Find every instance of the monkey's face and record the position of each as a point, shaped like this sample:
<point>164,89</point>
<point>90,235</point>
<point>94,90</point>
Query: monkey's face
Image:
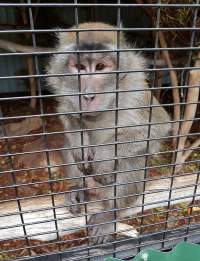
<point>96,82</point>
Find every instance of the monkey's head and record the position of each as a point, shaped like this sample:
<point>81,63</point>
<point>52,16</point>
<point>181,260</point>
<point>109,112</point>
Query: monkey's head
<point>96,65</point>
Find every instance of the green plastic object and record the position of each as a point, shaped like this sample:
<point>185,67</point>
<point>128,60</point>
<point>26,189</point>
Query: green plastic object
<point>182,252</point>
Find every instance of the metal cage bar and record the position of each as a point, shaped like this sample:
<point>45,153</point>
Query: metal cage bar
<point>34,216</point>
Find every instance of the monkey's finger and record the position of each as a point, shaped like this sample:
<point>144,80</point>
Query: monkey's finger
<point>74,199</point>
<point>93,231</point>
<point>75,210</point>
<point>100,240</point>
<point>81,196</point>
<point>93,241</point>
<point>81,167</point>
<point>88,169</point>
<point>99,236</point>
<point>90,154</point>
<point>107,238</point>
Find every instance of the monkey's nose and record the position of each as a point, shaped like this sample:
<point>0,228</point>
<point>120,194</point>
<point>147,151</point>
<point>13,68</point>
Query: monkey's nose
<point>89,97</point>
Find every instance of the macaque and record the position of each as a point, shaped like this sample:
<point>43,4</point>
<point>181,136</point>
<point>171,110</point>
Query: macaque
<point>125,165</point>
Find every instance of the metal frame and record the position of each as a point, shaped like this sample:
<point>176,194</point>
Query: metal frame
<point>123,247</point>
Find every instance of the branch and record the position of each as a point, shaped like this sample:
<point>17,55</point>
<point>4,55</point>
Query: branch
<point>172,73</point>
<point>174,82</point>
<point>190,112</point>
<point>187,153</point>
<point>14,47</point>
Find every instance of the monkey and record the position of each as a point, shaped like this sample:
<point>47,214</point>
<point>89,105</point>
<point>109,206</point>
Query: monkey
<point>108,164</point>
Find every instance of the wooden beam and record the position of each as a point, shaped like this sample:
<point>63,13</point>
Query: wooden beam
<point>15,47</point>
<point>39,217</point>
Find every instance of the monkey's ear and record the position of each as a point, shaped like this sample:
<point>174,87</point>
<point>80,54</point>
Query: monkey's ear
<point>66,39</point>
<point>63,39</point>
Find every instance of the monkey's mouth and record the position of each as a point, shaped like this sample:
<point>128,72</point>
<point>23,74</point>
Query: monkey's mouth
<point>90,115</point>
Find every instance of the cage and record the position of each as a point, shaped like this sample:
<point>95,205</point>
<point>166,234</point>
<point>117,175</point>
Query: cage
<point>84,148</point>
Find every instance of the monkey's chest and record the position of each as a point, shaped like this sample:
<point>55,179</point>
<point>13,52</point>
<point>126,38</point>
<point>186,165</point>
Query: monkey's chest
<point>100,136</point>
<point>102,129</point>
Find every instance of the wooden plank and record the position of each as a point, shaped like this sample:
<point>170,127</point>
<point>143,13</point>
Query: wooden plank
<point>39,217</point>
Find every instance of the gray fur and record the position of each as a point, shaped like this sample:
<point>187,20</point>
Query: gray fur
<point>130,81</point>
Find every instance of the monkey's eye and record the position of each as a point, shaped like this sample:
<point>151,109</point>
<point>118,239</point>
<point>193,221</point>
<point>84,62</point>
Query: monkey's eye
<point>80,66</point>
<point>100,66</point>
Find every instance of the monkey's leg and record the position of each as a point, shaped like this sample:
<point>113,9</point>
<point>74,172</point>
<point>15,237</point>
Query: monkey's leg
<point>102,225</point>
<point>102,228</point>
<point>128,187</point>
<point>104,156</point>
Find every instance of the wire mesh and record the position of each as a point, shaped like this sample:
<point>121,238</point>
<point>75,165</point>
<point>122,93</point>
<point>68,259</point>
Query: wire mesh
<point>41,180</point>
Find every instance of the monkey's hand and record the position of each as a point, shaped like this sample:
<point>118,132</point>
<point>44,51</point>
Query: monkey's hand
<point>84,164</point>
<point>84,155</point>
<point>103,163</point>
<point>73,198</point>
<point>100,232</point>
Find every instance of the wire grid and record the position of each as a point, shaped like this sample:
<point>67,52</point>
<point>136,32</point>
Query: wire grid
<point>163,238</point>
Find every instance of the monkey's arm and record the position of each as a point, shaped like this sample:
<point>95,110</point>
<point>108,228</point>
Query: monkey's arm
<point>104,157</point>
<point>74,169</point>
<point>132,143</point>
<point>76,140</point>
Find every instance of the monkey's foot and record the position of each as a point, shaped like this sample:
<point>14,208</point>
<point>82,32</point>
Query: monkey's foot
<point>105,179</point>
<point>74,198</point>
<point>101,233</point>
